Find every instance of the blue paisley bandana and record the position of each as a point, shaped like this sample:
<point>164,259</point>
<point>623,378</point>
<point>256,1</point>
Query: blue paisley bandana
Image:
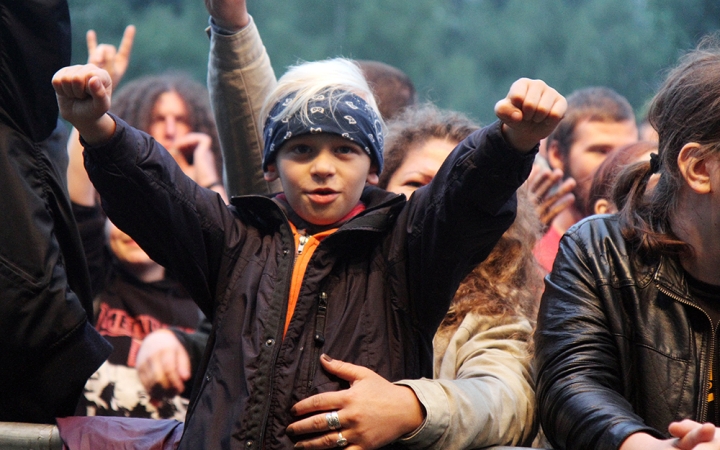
<point>346,115</point>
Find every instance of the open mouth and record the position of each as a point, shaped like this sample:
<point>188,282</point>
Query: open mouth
<point>323,196</point>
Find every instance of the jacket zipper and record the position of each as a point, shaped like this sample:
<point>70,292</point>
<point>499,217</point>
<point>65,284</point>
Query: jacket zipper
<point>711,362</point>
<point>303,239</point>
<point>318,336</point>
<point>276,353</point>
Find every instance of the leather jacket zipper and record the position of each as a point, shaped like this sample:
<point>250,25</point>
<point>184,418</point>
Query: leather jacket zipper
<point>704,392</point>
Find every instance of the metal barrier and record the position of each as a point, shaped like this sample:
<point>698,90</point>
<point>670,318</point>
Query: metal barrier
<point>29,436</point>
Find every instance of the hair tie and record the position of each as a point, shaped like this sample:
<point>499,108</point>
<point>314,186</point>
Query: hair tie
<point>654,163</point>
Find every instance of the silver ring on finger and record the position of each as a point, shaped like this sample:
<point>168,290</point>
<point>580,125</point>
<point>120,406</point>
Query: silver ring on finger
<point>341,441</point>
<point>333,421</point>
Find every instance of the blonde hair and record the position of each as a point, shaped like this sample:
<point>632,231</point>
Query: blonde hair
<point>331,77</point>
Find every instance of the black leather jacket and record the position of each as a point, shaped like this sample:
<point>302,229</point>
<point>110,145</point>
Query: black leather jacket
<point>620,345</point>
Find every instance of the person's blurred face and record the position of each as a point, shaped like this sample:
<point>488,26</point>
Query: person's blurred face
<point>420,165</point>
<point>127,251</point>
<point>170,119</point>
<point>322,175</point>
<point>607,206</point>
<point>593,142</point>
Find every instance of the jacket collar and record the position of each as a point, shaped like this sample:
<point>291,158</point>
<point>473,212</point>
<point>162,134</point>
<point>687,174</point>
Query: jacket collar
<point>382,208</point>
<point>670,276</point>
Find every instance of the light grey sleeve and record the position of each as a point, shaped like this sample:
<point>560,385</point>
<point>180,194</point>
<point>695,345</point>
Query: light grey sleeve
<point>483,394</point>
<point>240,77</point>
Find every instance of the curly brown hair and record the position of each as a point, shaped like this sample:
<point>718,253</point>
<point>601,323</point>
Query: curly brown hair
<point>417,124</point>
<point>135,101</point>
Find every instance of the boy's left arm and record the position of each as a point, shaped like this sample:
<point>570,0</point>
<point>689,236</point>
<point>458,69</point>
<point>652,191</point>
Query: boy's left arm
<point>458,218</point>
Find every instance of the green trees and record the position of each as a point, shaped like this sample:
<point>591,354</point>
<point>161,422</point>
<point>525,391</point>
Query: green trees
<point>461,54</point>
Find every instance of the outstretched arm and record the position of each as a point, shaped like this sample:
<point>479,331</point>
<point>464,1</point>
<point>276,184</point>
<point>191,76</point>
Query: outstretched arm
<point>530,112</point>
<point>115,62</point>
<point>240,78</point>
<point>83,95</point>
<point>458,218</point>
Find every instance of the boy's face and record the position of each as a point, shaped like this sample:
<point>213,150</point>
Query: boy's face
<point>323,176</point>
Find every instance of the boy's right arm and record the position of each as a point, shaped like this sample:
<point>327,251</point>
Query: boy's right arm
<point>115,62</point>
<point>179,224</point>
<point>83,95</point>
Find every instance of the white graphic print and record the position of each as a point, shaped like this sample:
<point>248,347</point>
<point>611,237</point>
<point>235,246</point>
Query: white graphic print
<point>115,390</point>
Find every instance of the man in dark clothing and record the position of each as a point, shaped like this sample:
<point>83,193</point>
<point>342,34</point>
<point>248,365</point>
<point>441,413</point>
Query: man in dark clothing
<point>49,348</point>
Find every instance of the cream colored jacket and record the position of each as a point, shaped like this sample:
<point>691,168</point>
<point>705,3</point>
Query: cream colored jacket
<point>482,393</point>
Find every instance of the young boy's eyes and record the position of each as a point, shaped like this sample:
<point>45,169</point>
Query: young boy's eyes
<point>345,150</point>
<point>307,149</point>
<point>301,149</point>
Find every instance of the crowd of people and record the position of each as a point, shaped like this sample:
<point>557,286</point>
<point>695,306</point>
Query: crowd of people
<point>322,260</point>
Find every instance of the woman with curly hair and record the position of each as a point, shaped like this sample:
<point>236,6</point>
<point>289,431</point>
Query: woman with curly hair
<point>175,110</point>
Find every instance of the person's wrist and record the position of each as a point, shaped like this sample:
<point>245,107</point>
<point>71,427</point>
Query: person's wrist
<point>517,140</point>
<point>645,441</point>
<point>415,412</point>
<point>234,24</point>
<point>97,132</point>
